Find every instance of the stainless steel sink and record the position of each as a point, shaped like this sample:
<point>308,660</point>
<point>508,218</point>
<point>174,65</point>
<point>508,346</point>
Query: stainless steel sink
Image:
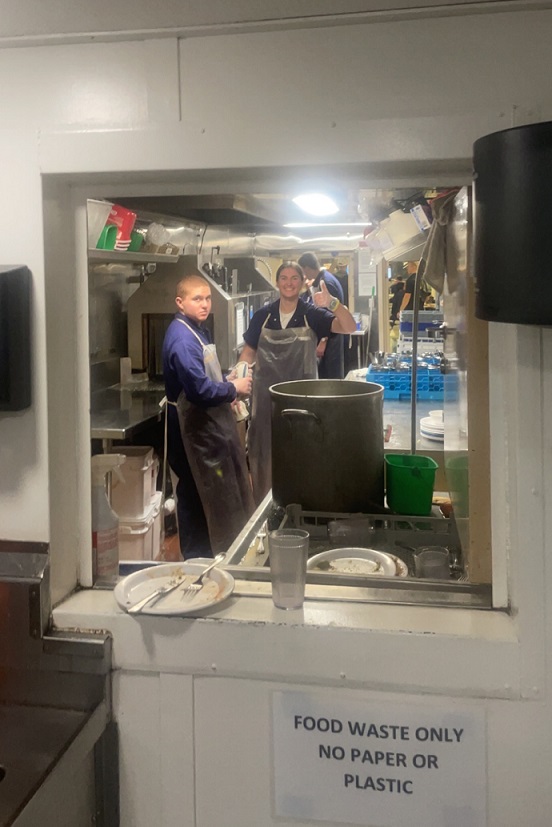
<point>32,741</point>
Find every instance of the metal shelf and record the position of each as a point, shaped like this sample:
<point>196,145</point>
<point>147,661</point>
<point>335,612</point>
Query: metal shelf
<point>139,258</point>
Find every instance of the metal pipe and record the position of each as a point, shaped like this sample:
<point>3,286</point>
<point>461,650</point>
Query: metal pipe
<point>414,373</point>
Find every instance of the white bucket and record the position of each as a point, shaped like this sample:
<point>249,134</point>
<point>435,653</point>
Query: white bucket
<point>141,539</point>
<point>132,499</point>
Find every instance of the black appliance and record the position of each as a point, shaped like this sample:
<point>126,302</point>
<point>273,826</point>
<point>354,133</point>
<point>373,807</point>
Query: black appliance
<point>513,225</point>
<point>15,337</point>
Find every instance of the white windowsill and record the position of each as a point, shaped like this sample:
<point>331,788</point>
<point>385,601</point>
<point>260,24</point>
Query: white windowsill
<point>462,652</point>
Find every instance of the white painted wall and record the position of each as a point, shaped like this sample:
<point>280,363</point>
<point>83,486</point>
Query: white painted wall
<point>373,94</point>
<point>238,103</point>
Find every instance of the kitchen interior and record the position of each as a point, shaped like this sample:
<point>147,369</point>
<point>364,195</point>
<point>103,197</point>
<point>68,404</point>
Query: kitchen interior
<point>237,242</point>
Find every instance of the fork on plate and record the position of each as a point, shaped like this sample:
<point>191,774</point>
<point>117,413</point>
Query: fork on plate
<point>192,588</point>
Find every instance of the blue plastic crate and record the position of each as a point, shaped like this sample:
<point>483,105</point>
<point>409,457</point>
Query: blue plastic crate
<point>430,384</point>
<point>423,327</point>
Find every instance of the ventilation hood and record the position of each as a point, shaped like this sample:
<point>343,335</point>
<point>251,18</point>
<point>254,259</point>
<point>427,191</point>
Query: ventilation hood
<point>248,212</point>
<point>265,222</point>
<point>398,238</point>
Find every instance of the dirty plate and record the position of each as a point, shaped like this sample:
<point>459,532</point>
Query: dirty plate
<point>217,586</point>
<point>366,561</point>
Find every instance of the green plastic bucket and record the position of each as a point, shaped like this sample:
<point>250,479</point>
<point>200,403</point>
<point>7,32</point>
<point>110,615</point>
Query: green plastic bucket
<point>410,482</point>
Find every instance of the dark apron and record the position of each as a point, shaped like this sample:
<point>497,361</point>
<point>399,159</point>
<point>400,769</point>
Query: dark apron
<point>332,363</point>
<point>216,459</point>
<point>282,356</point>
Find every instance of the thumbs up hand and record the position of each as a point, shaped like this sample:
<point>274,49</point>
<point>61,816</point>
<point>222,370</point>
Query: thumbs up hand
<point>323,297</point>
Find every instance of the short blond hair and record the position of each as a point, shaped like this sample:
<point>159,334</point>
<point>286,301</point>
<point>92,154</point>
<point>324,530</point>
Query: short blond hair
<point>186,283</point>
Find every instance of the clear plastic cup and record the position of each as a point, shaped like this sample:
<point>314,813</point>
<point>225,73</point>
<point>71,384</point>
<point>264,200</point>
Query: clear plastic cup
<point>432,562</point>
<point>288,552</point>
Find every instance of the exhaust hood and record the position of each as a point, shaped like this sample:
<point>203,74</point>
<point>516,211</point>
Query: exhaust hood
<point>264,222</point>
<point>399,237</point>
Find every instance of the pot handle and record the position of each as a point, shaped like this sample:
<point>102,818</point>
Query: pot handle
<point>299,412</point>
<point>289,413</point>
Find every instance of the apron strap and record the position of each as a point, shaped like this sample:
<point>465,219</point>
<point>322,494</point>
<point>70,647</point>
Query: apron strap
<point>198,337</point>
<point>264,324</point>
<point>163,405</point>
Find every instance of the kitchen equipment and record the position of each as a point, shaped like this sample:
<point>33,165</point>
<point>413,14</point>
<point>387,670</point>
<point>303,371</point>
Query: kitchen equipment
<point>124,220</point>
<point>196,585</point>
<point>97,213</point>
<point>133,491</point>
<point>15,337</point>
<point>107,238</point>
<point>140,538</point>
<point>433,426</point>
<point>143,583</point>
<point>432,562</point>
<point>327,445</point>
<point>512,239</point>
<point>136,241</point>
<point>288,550</point>
<point>105,522</point>
<point>410,482</point>
<point>364,561</point>
<point>166,588</point>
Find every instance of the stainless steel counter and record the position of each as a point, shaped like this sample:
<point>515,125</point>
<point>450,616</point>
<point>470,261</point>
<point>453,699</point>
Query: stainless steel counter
<point>247,559</point>
<point>397,414</point>
<point>34,740</point>
<point>120,411</point>
<point>54,692</point>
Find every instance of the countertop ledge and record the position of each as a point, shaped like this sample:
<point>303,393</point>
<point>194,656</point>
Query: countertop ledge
<point>93,609</point>
<point>474,653</point>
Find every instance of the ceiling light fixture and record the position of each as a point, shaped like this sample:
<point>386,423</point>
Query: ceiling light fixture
<point>297,225</point>
<point>316,203</point>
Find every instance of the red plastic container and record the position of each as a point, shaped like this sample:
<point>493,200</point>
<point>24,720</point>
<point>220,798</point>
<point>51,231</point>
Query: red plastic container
<point>124,220</point>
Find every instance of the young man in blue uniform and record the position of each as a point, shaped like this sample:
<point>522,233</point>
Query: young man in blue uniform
<point>213,494</point>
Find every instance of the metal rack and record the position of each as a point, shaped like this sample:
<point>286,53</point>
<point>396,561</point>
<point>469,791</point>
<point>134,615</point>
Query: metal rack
<point>247,558</point>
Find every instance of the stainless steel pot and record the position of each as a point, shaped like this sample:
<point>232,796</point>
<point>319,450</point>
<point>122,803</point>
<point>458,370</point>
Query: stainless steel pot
<point>327,445</point>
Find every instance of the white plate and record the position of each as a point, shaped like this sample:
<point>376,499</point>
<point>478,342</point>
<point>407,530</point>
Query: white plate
<point>218,585</point>
<point>432,436</point>
<point>431,424</point>
<point>366,561</point>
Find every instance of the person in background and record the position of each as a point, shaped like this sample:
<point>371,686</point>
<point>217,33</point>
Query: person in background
<point>408,295</point>
<point>281,341</point>
<point>397,291</point>
<point>213,493</point>
<point>330,351</point>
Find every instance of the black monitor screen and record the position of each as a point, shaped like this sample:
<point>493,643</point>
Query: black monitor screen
<point>15,337</point>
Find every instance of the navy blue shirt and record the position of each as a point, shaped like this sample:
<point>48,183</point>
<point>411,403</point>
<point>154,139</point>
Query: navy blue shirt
<point>331,282</point>
<point>319,319</point>
<point>184,368</point>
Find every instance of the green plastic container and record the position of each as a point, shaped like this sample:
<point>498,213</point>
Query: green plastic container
<point>457,469</point>
<point>108,237</point>
<point>410,481</point>
<point>136,241</point>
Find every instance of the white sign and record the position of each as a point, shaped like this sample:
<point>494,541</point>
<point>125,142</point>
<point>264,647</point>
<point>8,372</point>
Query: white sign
<point>367,283</point>
<point>379,764</point>
<point>367,274</point>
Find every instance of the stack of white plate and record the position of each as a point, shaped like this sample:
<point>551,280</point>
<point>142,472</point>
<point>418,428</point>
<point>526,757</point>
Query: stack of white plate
<point>433,426</point>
